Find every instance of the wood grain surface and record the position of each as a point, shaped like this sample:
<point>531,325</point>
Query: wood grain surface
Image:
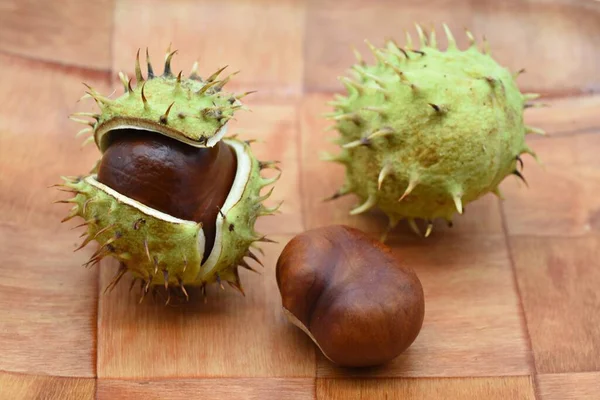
<point>262,39</point>
<point>511,289</point>
<point>571,207</point>
<point>514,388</point>
<point>563,33</point>
<point>37,140</point>
<point>19,386</point>
<point>214,388</point>
<point>274,125</point>
<point>570,386</point>
<point>558,281</point>
<point>71,32</point>
<point>49,304</point>
<point>203,340</point>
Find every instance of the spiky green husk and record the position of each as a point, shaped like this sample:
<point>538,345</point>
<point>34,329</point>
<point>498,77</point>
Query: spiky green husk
<point>159,249</point>
<point>424,132</point>
<point>155,248</point>
<point>192,110</point>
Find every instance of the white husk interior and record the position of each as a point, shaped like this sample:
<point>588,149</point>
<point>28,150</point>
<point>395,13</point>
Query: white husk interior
<point>292,318</point>
<point>218,136</point>
<point>149,128</point>
<point>242,175</point>
<point>131,202</point>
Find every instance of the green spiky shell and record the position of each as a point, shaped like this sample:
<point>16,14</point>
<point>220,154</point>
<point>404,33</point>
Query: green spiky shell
<point>154,247</point>
<point>425,131</point>
<point>191,110</point>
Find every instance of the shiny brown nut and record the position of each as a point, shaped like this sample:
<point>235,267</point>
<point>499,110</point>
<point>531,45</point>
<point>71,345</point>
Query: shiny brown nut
<point>350,295</point>
<point>170,176</point>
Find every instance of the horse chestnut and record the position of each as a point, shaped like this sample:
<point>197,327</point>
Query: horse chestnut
<point>350,295</point>
<point>172,198</point>
<point>184,181</point>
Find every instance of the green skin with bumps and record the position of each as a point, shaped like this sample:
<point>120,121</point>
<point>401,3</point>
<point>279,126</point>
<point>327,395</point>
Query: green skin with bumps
<point>154,247</point>
<point>436,129</point>
<point>191,117</point>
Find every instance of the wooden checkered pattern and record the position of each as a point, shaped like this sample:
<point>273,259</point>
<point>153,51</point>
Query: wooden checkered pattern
<point>512,303</point>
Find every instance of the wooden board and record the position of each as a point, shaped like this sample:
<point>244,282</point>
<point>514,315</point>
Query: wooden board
<point>511,289</point>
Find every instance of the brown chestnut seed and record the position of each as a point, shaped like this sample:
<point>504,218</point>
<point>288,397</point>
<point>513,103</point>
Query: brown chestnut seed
<point>350,295</point>
<point>175,178</point>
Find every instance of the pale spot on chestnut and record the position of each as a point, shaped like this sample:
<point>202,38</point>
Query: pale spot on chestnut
<point>347,291</point>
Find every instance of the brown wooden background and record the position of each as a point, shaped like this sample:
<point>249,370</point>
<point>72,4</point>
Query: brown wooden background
<point>512,291</point>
